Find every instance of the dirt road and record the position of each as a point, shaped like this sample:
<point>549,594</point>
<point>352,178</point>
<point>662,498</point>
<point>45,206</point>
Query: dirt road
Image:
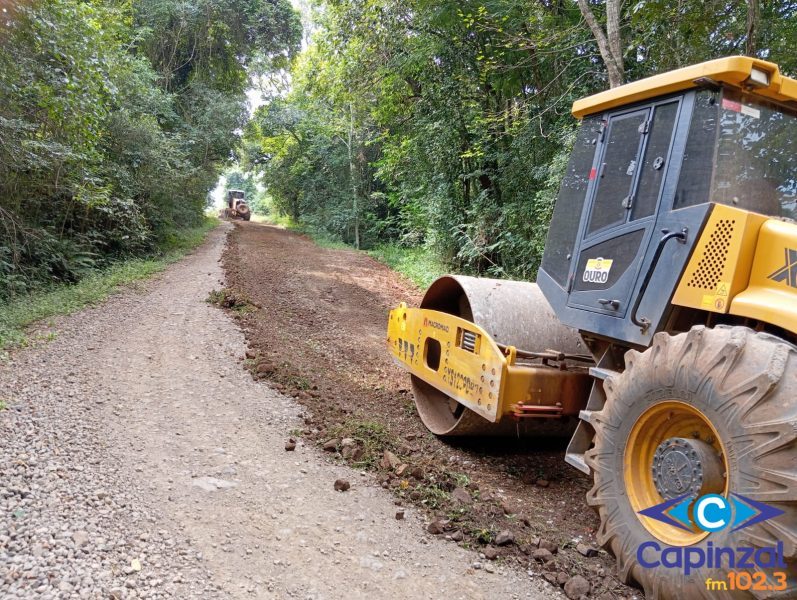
<point>140,460</point>
<point>316,326</point>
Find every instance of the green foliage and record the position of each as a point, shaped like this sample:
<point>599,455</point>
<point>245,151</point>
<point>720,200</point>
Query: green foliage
<point>433,496</point>
<point>228,298</point>
<point>115,121</point>
<point>446,125</point>
<point>261,205</point>
<point>63,299</point>
<point>320,236</point>
<point>419,264</point>
<point>460,479</point>
<point>483,536</point>
<point>372,437</point>
<point>237,180</point>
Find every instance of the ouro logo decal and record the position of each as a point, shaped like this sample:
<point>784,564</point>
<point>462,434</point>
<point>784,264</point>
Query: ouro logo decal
<point>712,513</point>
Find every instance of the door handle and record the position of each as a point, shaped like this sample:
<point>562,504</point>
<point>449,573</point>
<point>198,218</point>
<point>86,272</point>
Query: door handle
<point>681,236</point>
<point>613,304</point>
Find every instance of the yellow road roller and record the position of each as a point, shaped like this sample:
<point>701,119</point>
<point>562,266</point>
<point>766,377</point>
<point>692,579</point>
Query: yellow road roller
<point>661,334</point>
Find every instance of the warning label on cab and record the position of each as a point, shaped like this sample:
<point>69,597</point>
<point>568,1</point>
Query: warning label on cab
<point>718,301</point>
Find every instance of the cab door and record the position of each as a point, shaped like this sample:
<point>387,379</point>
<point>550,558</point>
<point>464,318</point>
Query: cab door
<point>631,158</point>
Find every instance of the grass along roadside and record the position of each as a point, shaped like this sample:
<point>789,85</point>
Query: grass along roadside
<point>17,315</point>
<point>321,238</point>
<point>419,264</point>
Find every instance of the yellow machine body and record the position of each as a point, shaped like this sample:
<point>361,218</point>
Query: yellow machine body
<point>737,71</point>
<point>460,359</point>
<point>744,264</point>
<point>666,300</point>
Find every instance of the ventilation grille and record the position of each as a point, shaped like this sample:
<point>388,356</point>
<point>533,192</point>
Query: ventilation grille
<point>469,341</point>
<point>711,268</point>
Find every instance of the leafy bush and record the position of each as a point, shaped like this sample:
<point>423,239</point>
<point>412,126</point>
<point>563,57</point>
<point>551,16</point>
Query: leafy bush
<point>94,286</point>
<point>446,125</point>
<point>115,121</point>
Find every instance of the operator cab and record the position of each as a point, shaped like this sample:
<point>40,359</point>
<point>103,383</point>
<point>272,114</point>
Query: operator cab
<point>643,178</point>
<point>235,195</point>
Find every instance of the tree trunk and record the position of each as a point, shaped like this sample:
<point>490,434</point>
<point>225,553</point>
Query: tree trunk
<point>609,40</point>
<point>753,17</point>
<point>352,178</point>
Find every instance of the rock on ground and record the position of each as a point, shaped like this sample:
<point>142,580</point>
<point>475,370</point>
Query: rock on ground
<point>576,587</point>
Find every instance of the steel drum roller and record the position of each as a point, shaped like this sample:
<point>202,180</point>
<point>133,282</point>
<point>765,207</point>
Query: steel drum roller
<point>514,313</point>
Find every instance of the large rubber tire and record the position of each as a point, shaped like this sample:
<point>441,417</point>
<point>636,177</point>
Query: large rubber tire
<point>745,383</point>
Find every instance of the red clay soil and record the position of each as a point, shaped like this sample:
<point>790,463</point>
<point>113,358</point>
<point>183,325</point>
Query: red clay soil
<point>315,321</point>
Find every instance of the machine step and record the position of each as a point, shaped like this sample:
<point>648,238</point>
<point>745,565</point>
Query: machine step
<point>602,373</point>
<point>536,411</point>
<point>577,461</point>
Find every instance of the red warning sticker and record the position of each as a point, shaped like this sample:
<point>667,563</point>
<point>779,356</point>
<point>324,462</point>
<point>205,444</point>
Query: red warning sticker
<point>593,173</point>
<point>741,108</point>
<point>731,105</point>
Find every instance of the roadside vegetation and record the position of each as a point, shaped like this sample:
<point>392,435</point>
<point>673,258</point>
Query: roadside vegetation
<point>320,235</point>
<point>444,128</point>
<point>419,264</point>
<point>16,315</point>
<point>116,119</point>
<point>432,134</point>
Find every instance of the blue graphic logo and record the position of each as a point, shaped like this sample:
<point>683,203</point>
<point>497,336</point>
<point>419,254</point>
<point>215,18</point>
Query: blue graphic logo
<point>711,512</point>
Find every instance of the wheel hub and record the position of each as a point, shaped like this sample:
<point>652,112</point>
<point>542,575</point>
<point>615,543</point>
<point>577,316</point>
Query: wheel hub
<point>683,466</point>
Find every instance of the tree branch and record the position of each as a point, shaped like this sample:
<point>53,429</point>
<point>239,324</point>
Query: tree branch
<point>609,41</point>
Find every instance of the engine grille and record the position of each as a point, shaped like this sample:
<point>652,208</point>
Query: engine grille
<point>711,268</point>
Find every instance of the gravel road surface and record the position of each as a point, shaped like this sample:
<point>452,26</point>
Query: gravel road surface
<point>139,460</point>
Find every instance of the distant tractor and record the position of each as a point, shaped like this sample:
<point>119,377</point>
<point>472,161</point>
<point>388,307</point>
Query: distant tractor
<point>661,332</point>
<point>236,208</point>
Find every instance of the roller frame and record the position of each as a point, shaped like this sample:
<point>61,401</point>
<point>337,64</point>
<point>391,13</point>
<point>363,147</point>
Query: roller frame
<point>497,389</point>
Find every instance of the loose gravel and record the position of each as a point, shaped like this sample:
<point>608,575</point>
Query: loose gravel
<point>139,460</point>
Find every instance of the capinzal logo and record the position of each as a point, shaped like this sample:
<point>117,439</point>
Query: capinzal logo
<point>710,513</point>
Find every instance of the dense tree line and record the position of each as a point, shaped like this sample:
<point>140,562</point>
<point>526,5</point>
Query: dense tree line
<point>446,123</point>
<point>116,117</point>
